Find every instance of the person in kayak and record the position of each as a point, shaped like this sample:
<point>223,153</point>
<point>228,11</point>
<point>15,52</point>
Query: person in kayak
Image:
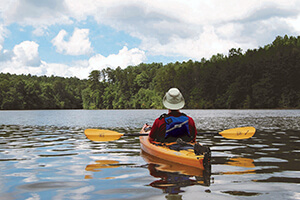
<point>175,129</point>
<point>169,127</point>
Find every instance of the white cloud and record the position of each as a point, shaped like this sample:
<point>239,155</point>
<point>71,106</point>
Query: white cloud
<point>24,59</point>
<point>82,68</point>
<point>176,27</point>
<point>294,22</point>
<point>26,53</point>
<point>3,34</point>
<point>123,59</point>
<point>205,45</point>
<point>78,43</point>
<point>35,13</point>
<point>40,31</point>
<point>191,29</point>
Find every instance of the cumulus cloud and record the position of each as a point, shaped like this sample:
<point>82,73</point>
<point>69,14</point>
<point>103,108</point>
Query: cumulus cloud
<point>78,43</point>
<point>24,59</point>
<point>159,25</point>
<point>191,29</point>
<point>123,59</point>
<point>204,45</point>
<point>168,28</point>
<point>294,22</point>
<point>36,13</point>
<point>26,53</point>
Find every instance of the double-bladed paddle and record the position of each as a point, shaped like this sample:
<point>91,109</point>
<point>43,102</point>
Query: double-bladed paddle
<point>101,135</point>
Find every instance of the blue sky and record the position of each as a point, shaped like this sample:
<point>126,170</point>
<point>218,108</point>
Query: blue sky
<point>73,37</point>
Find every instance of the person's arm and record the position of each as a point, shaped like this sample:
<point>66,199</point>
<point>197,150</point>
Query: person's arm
<point>193,130</point>
<point>153,131</point>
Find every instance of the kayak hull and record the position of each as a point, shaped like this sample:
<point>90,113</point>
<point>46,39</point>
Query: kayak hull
<point>184,157</point>
<point>172,167</point>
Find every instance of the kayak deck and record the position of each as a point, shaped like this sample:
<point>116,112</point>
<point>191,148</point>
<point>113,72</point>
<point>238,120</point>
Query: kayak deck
<point>185,157</point>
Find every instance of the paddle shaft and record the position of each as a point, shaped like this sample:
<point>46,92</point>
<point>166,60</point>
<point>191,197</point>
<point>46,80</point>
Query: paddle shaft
<point>235,133</point>
<point>136,134</point>
<point>208,133</point>
<point>203,133</point>
<point>146,134</point>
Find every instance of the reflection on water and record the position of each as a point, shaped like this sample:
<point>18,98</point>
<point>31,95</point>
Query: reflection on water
<point>173,176</point>
<point>170,177</point>
<point>45,155</point>
<point>241,162</point>
<point>171,183</point>
<point>101,164</point>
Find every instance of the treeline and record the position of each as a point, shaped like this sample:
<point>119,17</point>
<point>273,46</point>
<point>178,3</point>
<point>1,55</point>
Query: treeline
<point>267,77</point>
<point>32,92</point>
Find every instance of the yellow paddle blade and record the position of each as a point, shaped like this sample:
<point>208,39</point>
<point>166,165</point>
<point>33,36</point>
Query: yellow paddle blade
<point>238,133</point>
<point>99,135</point>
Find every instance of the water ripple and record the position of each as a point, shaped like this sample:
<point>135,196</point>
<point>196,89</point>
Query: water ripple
<point>54,159</point>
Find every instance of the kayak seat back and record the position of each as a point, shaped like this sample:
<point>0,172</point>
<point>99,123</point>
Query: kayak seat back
<point>178,147</point>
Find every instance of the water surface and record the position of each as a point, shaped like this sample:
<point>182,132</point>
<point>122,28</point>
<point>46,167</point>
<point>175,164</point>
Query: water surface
<point>45,155</point>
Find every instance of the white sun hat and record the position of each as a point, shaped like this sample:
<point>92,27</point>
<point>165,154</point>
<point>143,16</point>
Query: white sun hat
<point>173,99</point>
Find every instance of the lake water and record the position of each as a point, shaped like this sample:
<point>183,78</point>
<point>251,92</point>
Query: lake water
<point>45,155</point>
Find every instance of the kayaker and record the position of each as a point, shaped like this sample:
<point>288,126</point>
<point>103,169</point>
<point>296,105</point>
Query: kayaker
<point>169,127</point>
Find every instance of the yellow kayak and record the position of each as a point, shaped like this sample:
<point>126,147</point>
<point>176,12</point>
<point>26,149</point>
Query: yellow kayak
<point>184,157</point>
<point>171,167</point>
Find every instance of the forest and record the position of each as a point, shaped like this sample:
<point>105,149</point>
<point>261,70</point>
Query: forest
<point>263,78</point>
